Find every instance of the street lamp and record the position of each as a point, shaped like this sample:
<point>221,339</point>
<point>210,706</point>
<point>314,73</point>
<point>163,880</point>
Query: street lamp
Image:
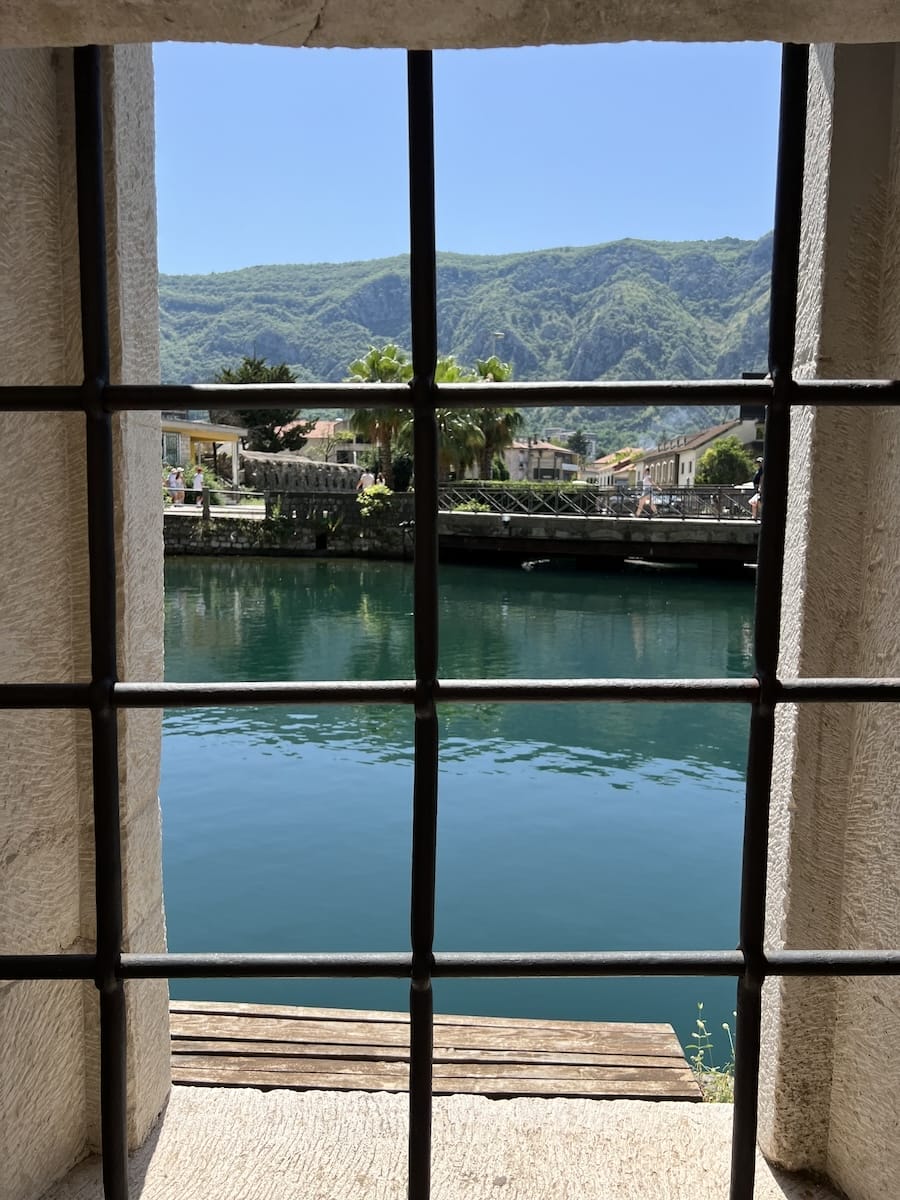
<point>498,333</point>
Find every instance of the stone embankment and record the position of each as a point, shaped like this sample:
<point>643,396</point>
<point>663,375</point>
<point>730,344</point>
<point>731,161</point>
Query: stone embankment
<point>333,524</point>
<point>313,523</point>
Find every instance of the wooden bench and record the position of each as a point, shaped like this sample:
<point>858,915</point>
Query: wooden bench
<point>274,1046</point>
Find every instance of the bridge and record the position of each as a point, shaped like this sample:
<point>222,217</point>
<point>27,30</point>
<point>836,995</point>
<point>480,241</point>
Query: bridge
<point>711,524</point>
<point>691,525</point>
<point>663,539</point>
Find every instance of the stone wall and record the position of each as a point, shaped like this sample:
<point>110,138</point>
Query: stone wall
<point>306,523</point>
<point>828,1097</point>
<point>294,473</point>
<point>449,26</point>
<point>48,1030</point>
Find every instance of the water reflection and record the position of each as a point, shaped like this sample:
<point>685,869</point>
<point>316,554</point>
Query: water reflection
<point>309,620</point>
<point>561,826</point>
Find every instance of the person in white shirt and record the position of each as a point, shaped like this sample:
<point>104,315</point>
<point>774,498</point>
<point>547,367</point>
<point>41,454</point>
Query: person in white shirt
<point>646,494</point>
<point>198,485</point>
<point>366,480</point>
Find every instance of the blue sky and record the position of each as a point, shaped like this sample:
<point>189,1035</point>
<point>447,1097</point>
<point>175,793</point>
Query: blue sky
<point>269,155</point>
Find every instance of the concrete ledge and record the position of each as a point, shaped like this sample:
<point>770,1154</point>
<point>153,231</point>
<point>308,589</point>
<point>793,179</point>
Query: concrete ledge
<point>224,1143</point>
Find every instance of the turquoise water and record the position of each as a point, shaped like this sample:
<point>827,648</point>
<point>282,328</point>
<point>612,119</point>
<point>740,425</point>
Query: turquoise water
<point>577,827</point>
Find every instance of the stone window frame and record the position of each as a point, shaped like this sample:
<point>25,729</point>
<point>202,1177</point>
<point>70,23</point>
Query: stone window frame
<point>104,695</point>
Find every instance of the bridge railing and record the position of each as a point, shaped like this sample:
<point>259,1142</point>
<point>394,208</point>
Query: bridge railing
<point>717,503</point>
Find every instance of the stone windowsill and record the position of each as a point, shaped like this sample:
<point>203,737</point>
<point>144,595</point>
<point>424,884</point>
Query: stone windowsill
<point>230,1143</point>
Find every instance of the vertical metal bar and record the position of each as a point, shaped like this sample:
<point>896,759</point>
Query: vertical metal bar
<point>101,554</point>
<point>423,288</point>
<point>767,615</point>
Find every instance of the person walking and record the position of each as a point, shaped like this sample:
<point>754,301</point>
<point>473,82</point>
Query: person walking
<point>366,480</point>
<point>179,487</point>
<point>646,494</point>
<point>197,484</point>
<point>172,484</point>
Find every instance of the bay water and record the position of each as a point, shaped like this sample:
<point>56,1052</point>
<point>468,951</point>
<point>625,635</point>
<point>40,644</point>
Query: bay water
<point>561,827</point>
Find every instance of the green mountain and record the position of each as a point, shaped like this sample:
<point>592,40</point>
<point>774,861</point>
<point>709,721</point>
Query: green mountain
<point>624,310</point>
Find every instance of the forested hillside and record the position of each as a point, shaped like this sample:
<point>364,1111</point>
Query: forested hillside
<point>625,310</point>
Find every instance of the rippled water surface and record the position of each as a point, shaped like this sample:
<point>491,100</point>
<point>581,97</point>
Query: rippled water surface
<point>572,827</point>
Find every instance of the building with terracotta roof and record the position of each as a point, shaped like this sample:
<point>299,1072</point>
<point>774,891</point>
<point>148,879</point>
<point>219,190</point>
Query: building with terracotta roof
<point>334,441</point>
<point>674,462</point>
<point>617,467</point>
<point>537,460</point>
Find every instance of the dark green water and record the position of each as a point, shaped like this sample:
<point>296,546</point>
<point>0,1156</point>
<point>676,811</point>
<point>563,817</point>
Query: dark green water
<point>579,827</point>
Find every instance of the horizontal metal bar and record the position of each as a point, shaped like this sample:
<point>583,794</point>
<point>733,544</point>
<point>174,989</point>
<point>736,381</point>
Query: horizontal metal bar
<point>858,392</point>
<point>508,691</point>
<point>48,966</point>
<point>225,695</point>
<point>832,962</point>
<point>452,691</point>
<point>587,964</point>
<point>266,966</point>
<point>650,963</point>
<point>571,691</point>
<point>839,691</point>
<point>36,398</point>
<point>462,965</point>
<point>131,397</point>
<point>45,695</point>
<point>530,691</point>
<point>153,398</point>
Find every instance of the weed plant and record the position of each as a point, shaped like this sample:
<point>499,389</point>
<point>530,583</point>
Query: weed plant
<point>716,1082</point>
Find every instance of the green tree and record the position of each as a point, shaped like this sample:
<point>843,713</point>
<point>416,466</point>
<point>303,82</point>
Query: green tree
<point>498,425</point>
<point>725,462</point>
<point>492,370</point>
<point>460,441</point>
<point>578,443</point>
<point>268,429</point>
<point>388,364</point>
<point>448,370</point>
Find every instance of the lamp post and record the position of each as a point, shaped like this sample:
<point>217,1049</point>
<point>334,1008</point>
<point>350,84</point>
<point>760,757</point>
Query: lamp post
<point>498,333</point>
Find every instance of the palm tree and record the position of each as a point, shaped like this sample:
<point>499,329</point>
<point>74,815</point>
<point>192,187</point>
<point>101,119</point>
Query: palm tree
<point>381,425</point>
<point>387,365</point>
<point>492,370</point>
<point>460,440</point>
<point>448,370</point>
<point>498,425</point>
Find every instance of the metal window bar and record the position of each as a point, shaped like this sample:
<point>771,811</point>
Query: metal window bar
<point>103,696</point>
<point>102,559</point>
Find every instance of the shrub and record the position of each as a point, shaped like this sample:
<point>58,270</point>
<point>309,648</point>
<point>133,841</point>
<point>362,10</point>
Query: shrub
<point>374,500</point>
<point>472,506</point>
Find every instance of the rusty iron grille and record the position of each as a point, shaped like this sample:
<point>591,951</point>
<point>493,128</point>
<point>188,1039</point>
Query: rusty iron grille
<point>104,694</point>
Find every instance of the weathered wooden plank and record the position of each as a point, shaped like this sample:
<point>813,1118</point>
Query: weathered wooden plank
<point>511,1072</point>
<point>360,1051</point>
<point>354,1015</point>
<point>270,1046</point>
<point>378,1080</point>
<point>397,1034</point>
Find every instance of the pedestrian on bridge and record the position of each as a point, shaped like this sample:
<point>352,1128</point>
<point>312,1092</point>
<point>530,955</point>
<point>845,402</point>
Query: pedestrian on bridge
<point>646,494</point>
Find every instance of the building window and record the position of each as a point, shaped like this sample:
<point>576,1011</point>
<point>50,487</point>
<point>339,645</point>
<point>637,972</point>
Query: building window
<point>103,696</point>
